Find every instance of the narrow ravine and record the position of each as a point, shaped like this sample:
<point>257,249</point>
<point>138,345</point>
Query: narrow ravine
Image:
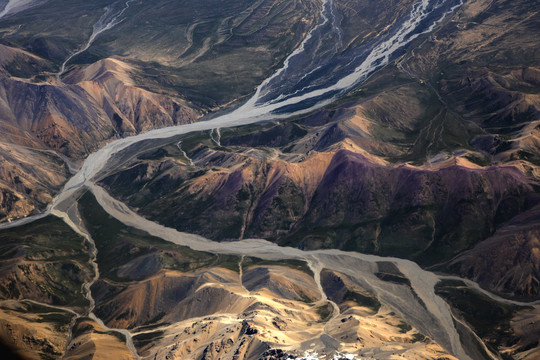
<point>316,267</point>
<point>217,138</point>
<point>241,272</point>
<point>72,218</point>
<point>179,146</point>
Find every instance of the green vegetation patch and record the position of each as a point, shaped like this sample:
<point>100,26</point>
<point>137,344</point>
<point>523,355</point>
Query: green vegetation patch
<point>389,272</point>
<point>489,318</point>
<point>325,311</point>
<point>44,261</point>
<point>404,327</point>
<point>290,263</point>
<point>363,299</point>
<point>142,340</point>
<point>48,239</point>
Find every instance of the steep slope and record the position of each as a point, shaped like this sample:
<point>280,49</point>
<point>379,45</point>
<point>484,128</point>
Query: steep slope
<point>43,267</point>
<point>34,331</point>
<point>433,158</point>
<point>77,117</point>
<point>500,325</point>
<point>439,213</point>
<point>507,262</point>
<point>90,340</point>
<point>483,67</point>
<point>45,262</point>
<point>213,52</point>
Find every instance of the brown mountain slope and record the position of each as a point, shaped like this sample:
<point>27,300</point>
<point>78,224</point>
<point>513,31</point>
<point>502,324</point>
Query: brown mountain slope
<point>94,105</point>
<point>130,109</point>
<point>180,303</point>
<point>34,331</point>
<point>46,262</point>
<point>176,50</point>
<point>483,66</point>
<point>90,340</point>
<point>72,120</point>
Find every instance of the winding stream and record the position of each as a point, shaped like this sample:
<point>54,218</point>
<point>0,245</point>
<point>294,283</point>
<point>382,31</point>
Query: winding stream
<point>15,6</point>
<point>106,22</point>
